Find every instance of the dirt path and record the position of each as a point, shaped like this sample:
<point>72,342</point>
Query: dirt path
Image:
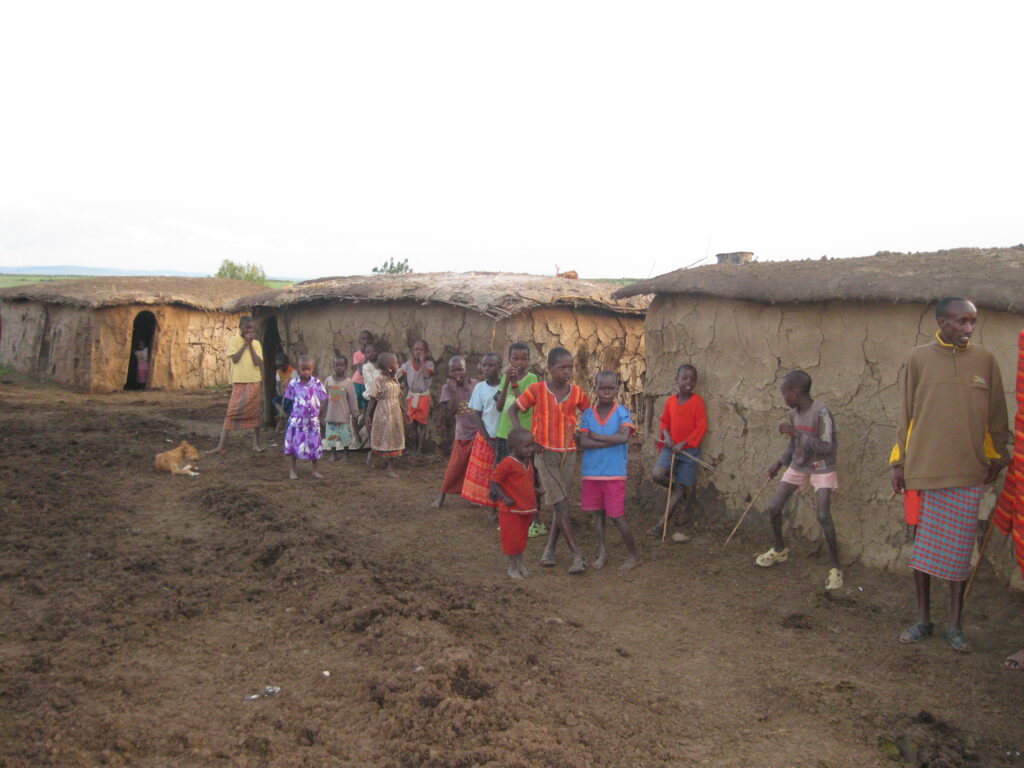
<point>140,610</point>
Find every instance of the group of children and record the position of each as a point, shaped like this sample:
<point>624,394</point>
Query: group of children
<point>364,407</point>
<point>518,438</point>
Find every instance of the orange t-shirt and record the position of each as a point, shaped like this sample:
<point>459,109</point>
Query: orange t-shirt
<point>686,423</point>
<point>554,422</point>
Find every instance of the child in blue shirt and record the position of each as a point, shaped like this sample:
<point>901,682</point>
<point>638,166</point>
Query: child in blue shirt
<point>604,438</point>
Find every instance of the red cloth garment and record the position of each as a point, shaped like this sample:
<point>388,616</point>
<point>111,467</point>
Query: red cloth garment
<point>477,485</point>
<point>1008,516</point>
<point>517,481</point>
<point>686,423</point>
<point>455,474</point>
<point>912,506</point>
<point>515,530</point>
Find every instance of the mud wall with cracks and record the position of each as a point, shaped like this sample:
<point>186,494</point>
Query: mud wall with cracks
<point>598,339</point>
<point>189,349</point>
<point>853,351</point>
<point>48,340</point>
<point>89,349</point>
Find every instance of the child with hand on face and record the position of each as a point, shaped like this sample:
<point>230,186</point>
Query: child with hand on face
<point>384,412</point>
<point>455,396</point>
<point>684,422</point>
<point>516,486</point>
<point>342,416</point>
<point>418,372</point>
<point>283,374</point>
<point>358,358</point>
<point>302,438</point>
<point>604,437</point>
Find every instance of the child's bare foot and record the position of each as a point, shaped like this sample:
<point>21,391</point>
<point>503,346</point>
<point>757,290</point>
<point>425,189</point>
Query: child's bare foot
<point>514,573</point>
<point>332,456</point>
<point>492,516</point>
<point>548,558</point>
<point>215,450</point>
<point>602,558</point>
<point>579,565</point>
<point>293,475</point>
<point>655,530</point>
<point>630,564</point>
<point>392,473</point>
<point>523,570</point>
<point>258,448</point>
<point>436,503</point>
<point>318,476</point>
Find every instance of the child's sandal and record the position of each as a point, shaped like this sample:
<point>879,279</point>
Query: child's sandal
<point>958,641</point>
<point>917,633</point>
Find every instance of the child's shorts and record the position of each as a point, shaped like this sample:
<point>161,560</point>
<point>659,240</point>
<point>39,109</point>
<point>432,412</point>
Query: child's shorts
<point>285,402</point>
<point>800,479</point>
<point>556,470</point>
<point>417,409</point>
<point>686,470</point>
<point>501,450</point>
<point>337,436</point>
<point>608,496</point>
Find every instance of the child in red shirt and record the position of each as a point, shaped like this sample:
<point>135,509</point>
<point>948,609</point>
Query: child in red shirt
<point>516,486</point>
<point>684,422</point>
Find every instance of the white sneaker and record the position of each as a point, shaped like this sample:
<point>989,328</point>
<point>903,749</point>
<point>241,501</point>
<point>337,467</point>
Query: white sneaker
<point>835,579</point>
<point>771,557</point>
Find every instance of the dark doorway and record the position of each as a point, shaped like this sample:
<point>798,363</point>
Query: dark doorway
<point>271,346</point>
<point>140,357</point>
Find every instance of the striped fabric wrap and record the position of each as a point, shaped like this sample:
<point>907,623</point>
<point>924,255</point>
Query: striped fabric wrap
<point>477,485</point>
<point>1009,513</point>
<point>946,531</point>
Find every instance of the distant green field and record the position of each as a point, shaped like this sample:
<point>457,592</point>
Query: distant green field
<point>8,280</point>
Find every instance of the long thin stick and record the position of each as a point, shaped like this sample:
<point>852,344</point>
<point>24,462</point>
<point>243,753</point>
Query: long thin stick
<point>740,521</point>
<point>709,467</point>
<point>981,558</point>
<point>668,497</point>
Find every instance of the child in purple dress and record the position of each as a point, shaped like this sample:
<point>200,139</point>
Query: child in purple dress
<point>302,438</point>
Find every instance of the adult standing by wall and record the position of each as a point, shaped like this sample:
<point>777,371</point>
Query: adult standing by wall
<point>1009,513</point>
<point>245,354</point>
<point>950,443</point>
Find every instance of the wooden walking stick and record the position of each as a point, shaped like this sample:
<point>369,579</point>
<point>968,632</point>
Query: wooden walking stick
<point>668,497</point>
<point>981,557</point>
<point>740,521</point>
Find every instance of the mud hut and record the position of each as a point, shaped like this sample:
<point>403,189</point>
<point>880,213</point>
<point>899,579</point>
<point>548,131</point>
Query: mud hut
<point>82,332</point>
<point>847,322</point>
<point>467,314</point>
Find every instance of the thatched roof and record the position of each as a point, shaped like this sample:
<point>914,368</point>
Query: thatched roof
<point>206,293</point>
<point>992,277</point>
<point>495,294</point>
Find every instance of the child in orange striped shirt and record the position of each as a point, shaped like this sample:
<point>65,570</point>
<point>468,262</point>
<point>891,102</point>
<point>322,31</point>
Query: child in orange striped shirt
<point>557,404</point>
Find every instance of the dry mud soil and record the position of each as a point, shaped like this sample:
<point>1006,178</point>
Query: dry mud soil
<point>139,611</point>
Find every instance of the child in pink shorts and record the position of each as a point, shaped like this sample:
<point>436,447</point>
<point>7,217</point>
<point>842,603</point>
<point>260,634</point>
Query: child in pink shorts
<point>604,438</point>
<point>810,458</point>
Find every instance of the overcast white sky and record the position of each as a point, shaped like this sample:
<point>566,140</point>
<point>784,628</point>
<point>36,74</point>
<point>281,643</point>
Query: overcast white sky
<point>616,139</point>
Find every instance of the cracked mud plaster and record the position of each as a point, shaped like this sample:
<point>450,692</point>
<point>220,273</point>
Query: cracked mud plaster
<point>89,349</point>
<point>853,352</point>
<point>604,339</point>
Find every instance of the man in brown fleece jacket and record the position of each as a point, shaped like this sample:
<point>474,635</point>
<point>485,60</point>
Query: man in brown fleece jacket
<point>950,443</point>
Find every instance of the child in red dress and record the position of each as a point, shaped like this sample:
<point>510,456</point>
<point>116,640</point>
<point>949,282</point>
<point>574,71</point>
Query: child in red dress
<point>516,486</point>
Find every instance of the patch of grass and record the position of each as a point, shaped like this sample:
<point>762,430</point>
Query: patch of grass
<point>8,280</point>
<point>279,283</point>
<point>5,371</point>
<point>618,282</point>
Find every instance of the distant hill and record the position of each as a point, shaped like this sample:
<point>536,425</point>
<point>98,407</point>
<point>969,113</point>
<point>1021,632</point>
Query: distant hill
<point>68,269</point>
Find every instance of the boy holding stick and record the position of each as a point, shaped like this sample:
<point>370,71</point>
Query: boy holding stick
<point>810,457</point>
<point>684,422</point>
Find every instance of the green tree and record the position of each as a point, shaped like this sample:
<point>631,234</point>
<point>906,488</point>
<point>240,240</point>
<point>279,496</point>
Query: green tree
<point>234,270</point>
<point>392,267</point>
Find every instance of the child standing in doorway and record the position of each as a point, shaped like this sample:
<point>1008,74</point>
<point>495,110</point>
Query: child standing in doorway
<point>384,411</point>
<point>516,487</point>
<point>417,372</point>
<point>283,375</point>
<point>455,396</point>
<point>604,437</point>
<point>342,416</point>
<point>302,438</point>
<point>557,404</point>
<point>810,458</point>
<point>141,364</point>
<point>358,358</point>
<point>684,422</point>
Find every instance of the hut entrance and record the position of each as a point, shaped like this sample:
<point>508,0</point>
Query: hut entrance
<point>141,354</point>
<point>271,346</point>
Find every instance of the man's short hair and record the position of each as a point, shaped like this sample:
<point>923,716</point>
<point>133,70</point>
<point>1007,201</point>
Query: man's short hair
<point>520,346</point>
<point>943,307</point>
<point>606,375</point>
<point>686,367</point>
<point>800,380</point>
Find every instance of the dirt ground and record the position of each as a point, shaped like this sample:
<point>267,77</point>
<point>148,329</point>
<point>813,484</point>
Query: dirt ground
<point>138,611</point>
